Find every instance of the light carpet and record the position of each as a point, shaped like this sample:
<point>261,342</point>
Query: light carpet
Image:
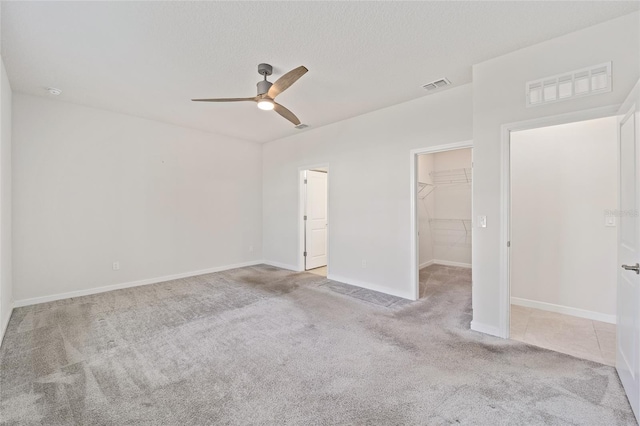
<point>265,346</point>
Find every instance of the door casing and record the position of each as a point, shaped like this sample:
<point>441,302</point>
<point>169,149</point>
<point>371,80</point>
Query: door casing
<point>413,185</point>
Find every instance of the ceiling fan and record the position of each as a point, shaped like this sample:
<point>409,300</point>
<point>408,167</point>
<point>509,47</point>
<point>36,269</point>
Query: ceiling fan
<point>268,91</point>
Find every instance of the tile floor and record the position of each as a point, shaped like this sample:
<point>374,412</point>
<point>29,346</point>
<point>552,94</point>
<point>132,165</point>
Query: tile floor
<point>322,271</point>
<point>580,337</point>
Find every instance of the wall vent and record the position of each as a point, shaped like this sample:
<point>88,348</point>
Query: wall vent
<point>583,82</point>
<point>436,84</point>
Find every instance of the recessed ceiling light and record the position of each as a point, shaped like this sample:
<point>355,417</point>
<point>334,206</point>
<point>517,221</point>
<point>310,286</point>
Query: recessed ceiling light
<point>53,91</point>
<point>301,126</point>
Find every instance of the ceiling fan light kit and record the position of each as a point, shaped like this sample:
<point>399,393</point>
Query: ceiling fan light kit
<point>266,104</point>
<point>268,91</point>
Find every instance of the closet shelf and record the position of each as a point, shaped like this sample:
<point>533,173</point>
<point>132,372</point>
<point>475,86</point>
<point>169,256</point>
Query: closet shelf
<point>451,177</point>
<point>451,232</point>
<point>452,224</point>
<point>425,189</point>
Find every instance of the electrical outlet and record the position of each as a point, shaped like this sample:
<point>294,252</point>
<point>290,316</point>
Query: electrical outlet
<point>116,266</point>
<point>364,263</point>
<point>482,221</point>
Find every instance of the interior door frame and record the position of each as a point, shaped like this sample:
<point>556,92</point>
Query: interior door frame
<point>505,195</point>
<point>413,185</point>
<point>301,208</point>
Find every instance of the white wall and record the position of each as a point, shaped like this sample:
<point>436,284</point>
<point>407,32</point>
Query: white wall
<point>563,180</point>
<point>92,187</point>
<point>369,193</point>
<point>425,210</point>
<point>453,202</point>
<point>499,98</point>
<point>6,285</point>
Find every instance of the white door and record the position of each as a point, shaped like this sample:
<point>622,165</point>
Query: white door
<point>316,220</point>
<point>628,328</point>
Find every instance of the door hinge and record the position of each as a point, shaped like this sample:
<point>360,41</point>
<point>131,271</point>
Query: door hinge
<point>305,217</point>
<point>304,254</point>
<point>508,243</point>
<point>305,181</point>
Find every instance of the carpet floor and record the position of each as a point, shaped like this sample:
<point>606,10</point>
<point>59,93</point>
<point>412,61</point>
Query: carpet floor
<point>265,346</point>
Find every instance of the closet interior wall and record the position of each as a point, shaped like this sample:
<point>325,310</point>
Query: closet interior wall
<point>444,208</point>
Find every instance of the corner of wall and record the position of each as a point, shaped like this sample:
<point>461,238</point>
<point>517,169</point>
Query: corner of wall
<point>5,322</point>
<point>6,281</point>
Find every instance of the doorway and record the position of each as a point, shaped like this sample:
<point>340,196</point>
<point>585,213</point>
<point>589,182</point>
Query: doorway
<point>563,237</point>
<point>441,222</point>
<point>315,197</point>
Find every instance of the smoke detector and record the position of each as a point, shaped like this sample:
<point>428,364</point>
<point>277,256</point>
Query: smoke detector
<point>436,84</point>
<point>53,91</point>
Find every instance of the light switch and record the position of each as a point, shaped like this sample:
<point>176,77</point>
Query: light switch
<point>610,221</point>
<point>482,221</point>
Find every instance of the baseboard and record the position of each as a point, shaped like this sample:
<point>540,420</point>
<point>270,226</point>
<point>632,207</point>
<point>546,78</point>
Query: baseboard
<point>486,329</point>
<point>281,265</point>
<point>425,264</point>
<point>370,286</point>
<point>567,310</point>
<point>96,290</point>
<point>449,263</point>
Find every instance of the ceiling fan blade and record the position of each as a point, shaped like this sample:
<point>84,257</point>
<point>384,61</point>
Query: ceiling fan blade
<point>285,113</point>
<point>285,81</point>
<point>225,100</point>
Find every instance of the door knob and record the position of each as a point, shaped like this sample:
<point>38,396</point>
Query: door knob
<point>636,268</point>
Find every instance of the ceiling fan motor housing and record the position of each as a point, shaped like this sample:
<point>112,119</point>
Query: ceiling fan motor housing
<point>263,87</point>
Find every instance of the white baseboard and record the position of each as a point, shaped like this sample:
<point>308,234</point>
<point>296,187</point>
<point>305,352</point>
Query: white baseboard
<point>567,310</point>
<point>96,290</point>
<point>449,263</point>
<point>425,264</point>
<point>281,265</point>
<point>374,287</point>
<point>486,329</point>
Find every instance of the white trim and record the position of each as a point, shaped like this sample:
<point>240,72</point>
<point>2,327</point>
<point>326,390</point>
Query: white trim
<point>505,197</point>
<point>301,230</point>
<point>450,263</point>
<point>103,289</point>
<point>486,329</point>
<point>567,310</point>
<point>282,266</point>
<point>425,264</point>
<point>413,228</point>
<point>374,287</point>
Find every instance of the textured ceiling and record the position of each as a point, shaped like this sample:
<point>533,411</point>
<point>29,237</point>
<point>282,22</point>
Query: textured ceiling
<point>149,58</point>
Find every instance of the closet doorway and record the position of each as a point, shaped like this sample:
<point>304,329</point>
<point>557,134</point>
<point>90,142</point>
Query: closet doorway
<point>443,225</point>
